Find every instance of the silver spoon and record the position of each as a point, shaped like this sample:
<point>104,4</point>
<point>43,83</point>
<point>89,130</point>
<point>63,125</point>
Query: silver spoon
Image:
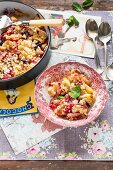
<point>104,34</point>
<point>92,33</point>
<point>110,72</point>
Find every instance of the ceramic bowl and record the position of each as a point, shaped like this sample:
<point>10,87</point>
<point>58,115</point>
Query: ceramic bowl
<point>55,73</point>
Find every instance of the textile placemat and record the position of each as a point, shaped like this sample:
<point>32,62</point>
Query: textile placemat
<point>26,131</point>
<point>91,142</point>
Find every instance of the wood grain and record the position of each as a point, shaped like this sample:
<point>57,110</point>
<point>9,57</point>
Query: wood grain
<point>55,165</point>
<point>66,4</point>
<point>60,165</point>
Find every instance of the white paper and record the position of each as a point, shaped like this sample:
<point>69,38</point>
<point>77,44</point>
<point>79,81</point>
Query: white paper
<point>82,46</point>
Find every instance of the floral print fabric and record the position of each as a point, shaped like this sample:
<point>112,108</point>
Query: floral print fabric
<point>91,142</point>
<point>98,140</point>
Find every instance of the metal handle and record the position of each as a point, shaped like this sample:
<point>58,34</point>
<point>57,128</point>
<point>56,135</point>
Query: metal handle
<point>105,64</point>
<point>104,75</point>
<point>105,47</point>
<point>97,60</point>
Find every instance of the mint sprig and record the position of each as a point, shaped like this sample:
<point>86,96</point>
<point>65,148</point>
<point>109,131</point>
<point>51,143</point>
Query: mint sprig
<point>79,7</point>
<point>72,21</point>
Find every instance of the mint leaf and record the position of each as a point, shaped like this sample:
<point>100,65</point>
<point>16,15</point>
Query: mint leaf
<point>87,3</point>
<point>72,21</point>
<point>61,97</point>
<point>77,7</point>
<point>75,92</point>
<point>1,42</point>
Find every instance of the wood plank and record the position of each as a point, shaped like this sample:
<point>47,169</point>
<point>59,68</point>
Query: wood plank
<point>55,165</point>
<point>66,4</point>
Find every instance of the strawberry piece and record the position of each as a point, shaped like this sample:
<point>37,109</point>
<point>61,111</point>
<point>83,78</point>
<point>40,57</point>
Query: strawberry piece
<point>53,106</point>
<point>6,76</point>
<point>68,109</point>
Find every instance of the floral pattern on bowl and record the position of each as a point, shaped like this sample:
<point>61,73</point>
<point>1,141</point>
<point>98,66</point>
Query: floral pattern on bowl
<point>56,73</point>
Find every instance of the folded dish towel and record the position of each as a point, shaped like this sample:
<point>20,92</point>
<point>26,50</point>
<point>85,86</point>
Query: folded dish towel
<point>18,101</point>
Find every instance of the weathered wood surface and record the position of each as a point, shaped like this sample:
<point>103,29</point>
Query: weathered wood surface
<point>66,4</point>
<point>55,165</point>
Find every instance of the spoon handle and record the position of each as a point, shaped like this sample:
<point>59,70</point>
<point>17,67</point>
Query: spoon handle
<point>45,22</point>
<point>105,48</point>
<point>105,64</point>
<point>97,60</point>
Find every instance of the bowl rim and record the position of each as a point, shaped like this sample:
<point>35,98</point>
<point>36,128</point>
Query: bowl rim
<point>49,41</point>
<point>84,121</point>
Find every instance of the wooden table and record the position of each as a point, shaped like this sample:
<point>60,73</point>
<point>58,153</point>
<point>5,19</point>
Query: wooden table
<point>57,165</point>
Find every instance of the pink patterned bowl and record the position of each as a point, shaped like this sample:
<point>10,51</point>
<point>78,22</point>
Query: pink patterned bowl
<point>55,73</point>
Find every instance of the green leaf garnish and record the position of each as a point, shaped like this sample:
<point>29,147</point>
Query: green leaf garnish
<point>75,92</point>
<point>1,42</point>
<point>72,21</point>
<point>77,7</point>
<point>61,97</point>
<point>87,3</point>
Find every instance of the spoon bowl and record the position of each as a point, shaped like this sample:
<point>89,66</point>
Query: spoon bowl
<point>91,29</point>
<point>104,32</point>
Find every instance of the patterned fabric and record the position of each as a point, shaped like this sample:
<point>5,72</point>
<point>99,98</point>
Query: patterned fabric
<point>91,142</point>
